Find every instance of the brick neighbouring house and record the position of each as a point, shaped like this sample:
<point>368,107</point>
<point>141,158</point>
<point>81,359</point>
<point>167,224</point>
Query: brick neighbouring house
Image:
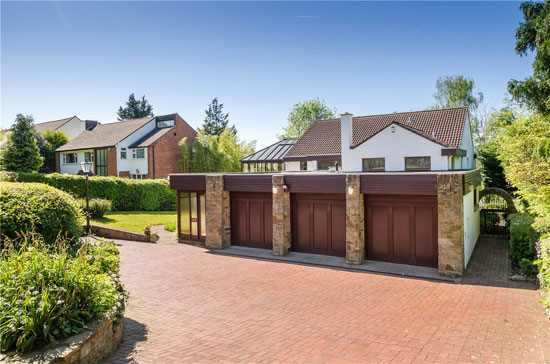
<point>425,216</point>
<point>137,148</point>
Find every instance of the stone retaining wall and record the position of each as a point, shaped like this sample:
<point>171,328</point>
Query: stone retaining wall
<point>112,233</point>
<point>99,341</point>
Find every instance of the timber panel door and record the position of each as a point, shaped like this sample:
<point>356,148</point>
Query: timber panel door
<point>402,229</point>
<point>319,224</point>
<point>251,220</point>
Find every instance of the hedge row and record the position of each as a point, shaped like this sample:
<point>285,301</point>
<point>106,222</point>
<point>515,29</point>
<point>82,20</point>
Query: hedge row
<point>544,269</point>
<point>125,194</point>
<point>523,240</point>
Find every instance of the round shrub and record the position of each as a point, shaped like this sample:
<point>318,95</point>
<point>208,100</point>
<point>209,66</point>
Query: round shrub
<point>99,207</point>
<point>39,208</point>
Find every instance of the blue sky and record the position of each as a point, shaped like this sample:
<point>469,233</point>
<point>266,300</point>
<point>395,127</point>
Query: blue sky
<point>259,58</point>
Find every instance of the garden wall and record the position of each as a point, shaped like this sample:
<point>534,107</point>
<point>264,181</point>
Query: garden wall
<point>91,346</point>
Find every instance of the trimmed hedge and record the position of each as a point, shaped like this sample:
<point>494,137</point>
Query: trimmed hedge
<point>35,207</point>
<point>125,194</point>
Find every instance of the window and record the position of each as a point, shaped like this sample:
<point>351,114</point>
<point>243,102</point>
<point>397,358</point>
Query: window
<point>374,164</point>
<point>138,153</point>
<point>70,158</point>
<point>164,123</point>
<point>89,156</point>
<point>138,176</point>
<point>122,153</point>
<point>303,166</point>
<point>417,163</point>
<point>325,165</point>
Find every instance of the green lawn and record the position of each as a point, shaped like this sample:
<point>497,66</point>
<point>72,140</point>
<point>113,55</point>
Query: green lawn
<point>136,220</point>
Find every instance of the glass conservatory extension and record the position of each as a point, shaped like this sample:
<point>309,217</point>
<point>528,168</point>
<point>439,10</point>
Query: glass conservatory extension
<point>269,159</point>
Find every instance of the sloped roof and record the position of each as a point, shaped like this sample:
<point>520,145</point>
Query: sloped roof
<point>151,137</point>
<point>52,125</point>
<point>443,126</point>
<point>273,153</point>
<point>105,135</point>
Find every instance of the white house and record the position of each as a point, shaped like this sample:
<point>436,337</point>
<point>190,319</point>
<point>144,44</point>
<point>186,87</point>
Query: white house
<point>430,140</point>
<point>138,148</point>
<point>71,126</point>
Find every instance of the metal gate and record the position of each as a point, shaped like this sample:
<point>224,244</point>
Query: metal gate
<point>493,216</point>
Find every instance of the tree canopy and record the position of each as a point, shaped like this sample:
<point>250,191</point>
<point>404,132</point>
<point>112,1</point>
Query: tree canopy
<point>533,35</point>
<point>135,109</point>
<point>212,153</point>
<point>458,91</point>
<point>303,114</point>
<point>216,121</point>
<point>53,140</point>
<point>22,153</point>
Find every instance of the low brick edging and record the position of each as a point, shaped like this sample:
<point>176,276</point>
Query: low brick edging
<point>99,341</point>
<point>113,233</point>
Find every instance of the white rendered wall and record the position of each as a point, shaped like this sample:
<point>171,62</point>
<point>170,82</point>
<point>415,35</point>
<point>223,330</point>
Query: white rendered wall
<point>311,165</point>
<point>394,147</point>
<point>292,166</point>
<point>471,226</point>
<point>72,168</point>
<point>73,127</point>
<point>468,146</point>
<point>129,164</point>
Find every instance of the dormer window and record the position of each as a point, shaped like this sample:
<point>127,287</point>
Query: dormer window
<point>165,123</point>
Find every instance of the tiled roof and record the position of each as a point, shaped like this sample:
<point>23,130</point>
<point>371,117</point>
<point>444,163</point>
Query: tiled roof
<point>51,125</point>
<point>273,153</point>
<point>105,135</point>
<point>444,126</point>
<point>150,138</point>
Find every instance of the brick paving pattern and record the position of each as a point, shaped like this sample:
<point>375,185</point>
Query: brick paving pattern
<point>189,306</point>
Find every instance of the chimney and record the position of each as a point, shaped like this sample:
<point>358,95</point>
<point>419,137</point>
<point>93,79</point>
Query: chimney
<point>346,131</point>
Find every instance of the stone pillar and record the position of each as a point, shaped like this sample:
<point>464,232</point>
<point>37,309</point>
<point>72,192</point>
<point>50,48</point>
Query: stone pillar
<point>281,216</point>
<point>355,220</point>
<point>218,223</point>
<point>450,224</point>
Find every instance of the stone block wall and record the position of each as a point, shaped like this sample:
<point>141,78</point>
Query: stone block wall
<point>281,216</point>
<point>355,220</point>
<point>218,223</point>
<point>450,224</point>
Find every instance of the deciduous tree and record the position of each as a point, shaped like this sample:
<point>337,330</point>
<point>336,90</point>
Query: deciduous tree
<point>303,114</point>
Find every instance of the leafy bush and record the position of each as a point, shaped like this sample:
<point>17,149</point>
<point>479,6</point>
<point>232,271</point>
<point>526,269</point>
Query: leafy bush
<point>125,194</point>
<point>99,206</point>
<point>523,240</point>
<point>49,292</point>
<point>170,227</point>
<point>6,176</point>
<point>543,262</point>
<point>36,207</point>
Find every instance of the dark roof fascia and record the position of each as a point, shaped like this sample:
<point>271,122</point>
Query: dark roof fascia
<point>452,152</point>
<point>148,135</point>
<point>325,157</point>
<point>406,127</point>
<point>91,148</point>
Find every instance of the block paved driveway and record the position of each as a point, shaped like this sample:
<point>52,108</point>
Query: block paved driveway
<point>187,305</point>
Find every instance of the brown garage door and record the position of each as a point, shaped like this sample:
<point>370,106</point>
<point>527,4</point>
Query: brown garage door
<point>319,224</point>
<point>402,229</point>
<point>251,220</point>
